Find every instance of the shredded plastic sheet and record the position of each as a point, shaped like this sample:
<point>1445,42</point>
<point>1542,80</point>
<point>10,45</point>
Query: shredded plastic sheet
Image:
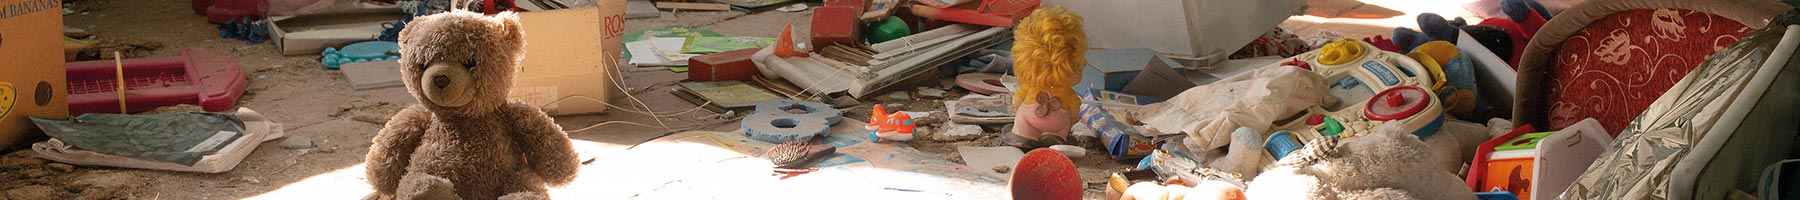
<point>1254,99</point>
<point>182,138</point>
<point>1640,161</point>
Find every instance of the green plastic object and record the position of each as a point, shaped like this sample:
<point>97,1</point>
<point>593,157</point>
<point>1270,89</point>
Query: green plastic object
<point>1526,141</point>
<point>1332,127</point>
<point>889,29</point>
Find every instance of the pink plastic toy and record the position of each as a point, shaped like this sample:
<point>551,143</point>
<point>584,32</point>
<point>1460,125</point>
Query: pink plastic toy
<point>196,77</point>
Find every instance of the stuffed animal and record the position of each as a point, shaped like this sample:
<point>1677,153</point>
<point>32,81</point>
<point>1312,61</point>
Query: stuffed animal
<point>1049,50</point>
<point>1385,164</point>
<point>465,141</point>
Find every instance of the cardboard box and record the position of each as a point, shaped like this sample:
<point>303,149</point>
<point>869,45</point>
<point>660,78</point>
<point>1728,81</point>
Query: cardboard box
<point>311,34</point>
<point>836,24</point>
<point>1114,68</point>
<point>729,65</point>
<point>32,80</point>
<point>570,53</point>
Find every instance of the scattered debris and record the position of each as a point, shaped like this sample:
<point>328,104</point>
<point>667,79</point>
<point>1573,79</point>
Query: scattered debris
<point>793,8</point>
<point>177,108</point>
<point>36,192</point>
<point>297,142</point>
<point>1002,169</point>
<point>19,161</point>
<point>933,93</point>
<point>129,47</point>
<point>899,95</point>
<point>958,133</point>
<point>250,179</point>
<point>989,157</point>
<point>1071,151</point>
<point>371,112</point>
<point>326,149</point>
<point>64,168</point>
<point>981,109</point>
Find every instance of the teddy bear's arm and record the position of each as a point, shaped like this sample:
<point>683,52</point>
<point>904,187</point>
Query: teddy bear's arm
<point>545,144</point>
<point>393,147</point>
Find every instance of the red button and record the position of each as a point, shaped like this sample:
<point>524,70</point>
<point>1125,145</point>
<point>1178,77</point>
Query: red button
<point>1397,103</point>
<point>1315,120</point>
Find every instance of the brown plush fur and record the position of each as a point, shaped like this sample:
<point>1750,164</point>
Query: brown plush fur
<point>486,148</point>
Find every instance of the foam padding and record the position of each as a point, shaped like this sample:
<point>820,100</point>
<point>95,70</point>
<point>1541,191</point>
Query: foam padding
<point>817,110</point>
<point>777,128</point>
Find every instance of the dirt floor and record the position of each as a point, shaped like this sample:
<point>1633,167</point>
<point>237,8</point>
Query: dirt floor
<point>312,101</point>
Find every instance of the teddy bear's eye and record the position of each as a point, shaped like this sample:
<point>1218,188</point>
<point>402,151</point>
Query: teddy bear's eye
<point>469,64</point>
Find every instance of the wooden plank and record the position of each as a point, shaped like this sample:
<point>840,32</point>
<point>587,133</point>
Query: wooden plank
<point>693,6</point>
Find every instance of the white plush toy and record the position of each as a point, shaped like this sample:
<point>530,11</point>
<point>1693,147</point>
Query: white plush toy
<point>1385,164</point>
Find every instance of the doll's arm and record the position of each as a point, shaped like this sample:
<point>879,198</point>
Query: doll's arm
<point>544,144</point>
<point>393,147</point>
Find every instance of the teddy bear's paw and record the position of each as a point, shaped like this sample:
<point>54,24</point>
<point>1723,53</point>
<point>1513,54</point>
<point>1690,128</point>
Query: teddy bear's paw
<point>425,187</point>
<point>525,196</point>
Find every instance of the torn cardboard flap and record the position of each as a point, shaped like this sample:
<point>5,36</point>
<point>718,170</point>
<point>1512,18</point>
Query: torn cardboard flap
<point>570,55</point>
<point>1158,80</point>
<point>310,34</point>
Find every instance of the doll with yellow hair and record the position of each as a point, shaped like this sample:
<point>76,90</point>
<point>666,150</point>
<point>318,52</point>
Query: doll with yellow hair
<point>1049,51</point>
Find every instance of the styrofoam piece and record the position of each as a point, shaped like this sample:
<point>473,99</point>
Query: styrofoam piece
<point>773,128</point>
<point>1497,80</point>
<point>1684,181</point>
<point>1071,151</point>
<point>1564,155</point>
<point>813,109</point>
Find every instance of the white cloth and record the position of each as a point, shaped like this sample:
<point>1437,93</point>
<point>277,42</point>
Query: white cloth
<point>1253,99</point>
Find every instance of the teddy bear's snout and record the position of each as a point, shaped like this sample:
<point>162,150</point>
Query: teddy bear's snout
<point>446,85</point>
<point>440,81</point>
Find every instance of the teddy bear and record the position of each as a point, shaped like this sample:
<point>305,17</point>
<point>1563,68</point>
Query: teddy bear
<point>464,140</point>
<point>1384,164</point>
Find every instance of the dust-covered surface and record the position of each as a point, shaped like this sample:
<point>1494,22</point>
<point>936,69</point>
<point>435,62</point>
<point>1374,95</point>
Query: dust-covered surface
<point>318,103</point>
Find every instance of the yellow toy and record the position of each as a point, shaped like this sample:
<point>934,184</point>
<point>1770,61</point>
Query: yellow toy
<point>1049,50</point>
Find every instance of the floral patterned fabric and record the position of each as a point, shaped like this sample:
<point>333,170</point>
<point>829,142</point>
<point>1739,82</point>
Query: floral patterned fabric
<point>1615,67</point>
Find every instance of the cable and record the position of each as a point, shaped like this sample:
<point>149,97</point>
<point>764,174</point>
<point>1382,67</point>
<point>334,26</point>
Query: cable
<point>621,85</point>
<point>608,104</point>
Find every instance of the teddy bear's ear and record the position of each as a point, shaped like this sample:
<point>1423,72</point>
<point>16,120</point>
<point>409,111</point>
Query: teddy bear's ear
<point>509,24</point>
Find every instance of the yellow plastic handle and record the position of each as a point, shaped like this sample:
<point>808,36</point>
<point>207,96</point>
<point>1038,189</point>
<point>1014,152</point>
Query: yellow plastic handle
<point>1340,52</point>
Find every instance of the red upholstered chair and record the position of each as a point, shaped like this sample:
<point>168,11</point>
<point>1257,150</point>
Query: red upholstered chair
<point>1609,59</point>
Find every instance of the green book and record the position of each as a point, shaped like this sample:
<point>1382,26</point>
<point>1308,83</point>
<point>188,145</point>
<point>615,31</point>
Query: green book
<point>729,94</point>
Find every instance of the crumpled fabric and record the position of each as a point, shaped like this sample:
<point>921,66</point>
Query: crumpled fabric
<point>181,138</point>
<point>1254,99</point>
<point>1639,163</point>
